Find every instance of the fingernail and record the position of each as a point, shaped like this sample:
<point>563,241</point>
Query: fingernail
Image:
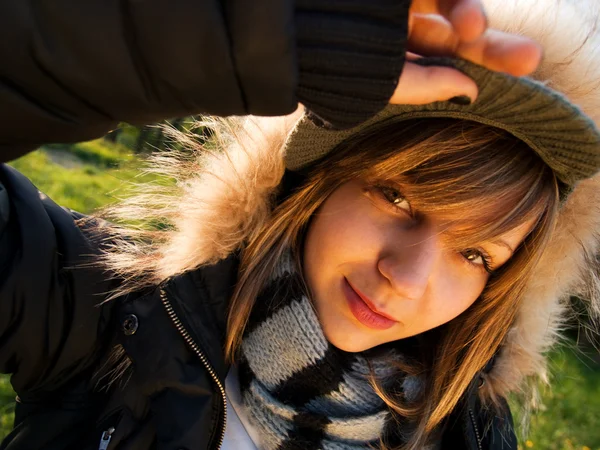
<point>461,100</point>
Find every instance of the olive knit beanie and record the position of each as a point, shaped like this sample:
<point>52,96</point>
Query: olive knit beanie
<point>562,135</point>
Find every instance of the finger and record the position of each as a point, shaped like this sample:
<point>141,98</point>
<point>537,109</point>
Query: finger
<point>466,17</point>
<point>432,6</point>
<point>432,35</point>
<point>517,55</point>
<point>412,56</point>
<point>419,85</point>
<point>503,52</point>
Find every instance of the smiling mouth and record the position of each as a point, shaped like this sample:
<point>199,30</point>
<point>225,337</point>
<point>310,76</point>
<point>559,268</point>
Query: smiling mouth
<point>370,304</point>
<point>364,311</point>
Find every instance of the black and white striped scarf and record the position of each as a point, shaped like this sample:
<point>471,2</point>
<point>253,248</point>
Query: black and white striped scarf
<point>300,391</point>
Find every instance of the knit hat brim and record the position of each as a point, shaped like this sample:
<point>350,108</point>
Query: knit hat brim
<point>562,135</point>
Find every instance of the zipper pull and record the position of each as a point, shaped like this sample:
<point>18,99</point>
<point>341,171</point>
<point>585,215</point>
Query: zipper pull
<point>105,439</point>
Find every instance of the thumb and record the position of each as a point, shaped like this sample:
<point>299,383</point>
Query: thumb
<point>419,85</point>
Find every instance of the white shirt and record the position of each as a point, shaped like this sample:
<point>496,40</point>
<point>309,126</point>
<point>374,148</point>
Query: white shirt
<point>239,432</point>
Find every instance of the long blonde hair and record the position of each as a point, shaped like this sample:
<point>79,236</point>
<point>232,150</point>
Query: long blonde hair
<point>483,180</point>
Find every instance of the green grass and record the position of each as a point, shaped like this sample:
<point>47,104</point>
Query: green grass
<point>7,406</point>
<point>92,174</point>
<point>98,153</point>
<point>569,416</point>
<point>92,182</point>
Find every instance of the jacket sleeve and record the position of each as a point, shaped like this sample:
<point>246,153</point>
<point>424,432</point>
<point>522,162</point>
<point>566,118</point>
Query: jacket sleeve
<point>72,70</point>
<point>51,324</point>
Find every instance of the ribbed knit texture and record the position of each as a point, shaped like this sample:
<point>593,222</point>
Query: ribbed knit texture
<point>301,391</point>
<point>564,137</point>
<point>350,56</point>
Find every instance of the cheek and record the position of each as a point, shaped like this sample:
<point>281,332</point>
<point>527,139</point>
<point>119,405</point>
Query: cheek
<point>455,289</point>
<point>342,232</point>
<point>339,232</point>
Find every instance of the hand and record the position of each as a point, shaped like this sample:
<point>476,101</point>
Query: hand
<point>457,28</point>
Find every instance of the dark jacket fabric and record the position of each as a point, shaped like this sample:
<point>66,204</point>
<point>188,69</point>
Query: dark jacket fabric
<point>72,71</point>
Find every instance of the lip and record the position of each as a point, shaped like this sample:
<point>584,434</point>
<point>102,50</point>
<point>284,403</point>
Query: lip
<point>364,311</point>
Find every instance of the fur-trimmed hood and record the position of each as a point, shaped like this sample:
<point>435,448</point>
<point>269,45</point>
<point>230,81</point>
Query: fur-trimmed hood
<point>223,198</point>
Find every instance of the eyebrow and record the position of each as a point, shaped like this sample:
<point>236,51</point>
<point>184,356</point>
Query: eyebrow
<point>504,244</point>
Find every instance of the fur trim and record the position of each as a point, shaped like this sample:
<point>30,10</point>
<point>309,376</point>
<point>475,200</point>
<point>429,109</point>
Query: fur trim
<point>219,200</point>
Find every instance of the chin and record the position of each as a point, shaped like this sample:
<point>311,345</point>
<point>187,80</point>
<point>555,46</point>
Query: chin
<point>350,345</point>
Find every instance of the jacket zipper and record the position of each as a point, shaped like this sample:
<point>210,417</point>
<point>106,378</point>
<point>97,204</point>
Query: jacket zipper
<point>105,439</point>
<point>477,435</point>
<point>196,348</point>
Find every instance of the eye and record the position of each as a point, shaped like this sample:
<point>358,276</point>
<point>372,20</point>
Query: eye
<point>393,196</point>
<point>478,258</point>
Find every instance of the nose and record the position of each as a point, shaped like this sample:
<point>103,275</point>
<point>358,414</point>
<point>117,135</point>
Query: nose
<point>408,268</point>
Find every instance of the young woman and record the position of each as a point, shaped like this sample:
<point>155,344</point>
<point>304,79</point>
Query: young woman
<point>383,286</point>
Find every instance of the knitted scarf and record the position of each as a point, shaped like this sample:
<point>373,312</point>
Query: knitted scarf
<point>300,391</point>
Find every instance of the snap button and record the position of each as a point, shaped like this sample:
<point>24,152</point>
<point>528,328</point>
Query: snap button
<point>130,324</point>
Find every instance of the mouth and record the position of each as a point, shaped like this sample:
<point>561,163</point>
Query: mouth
<point>364,311</point>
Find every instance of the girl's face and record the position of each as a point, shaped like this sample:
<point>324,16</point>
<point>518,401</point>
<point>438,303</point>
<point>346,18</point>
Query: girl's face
<point>379,272</point>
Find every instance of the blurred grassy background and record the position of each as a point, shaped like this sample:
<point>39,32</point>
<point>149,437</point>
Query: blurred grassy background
<point>569,414</point>
<point>89,175</point>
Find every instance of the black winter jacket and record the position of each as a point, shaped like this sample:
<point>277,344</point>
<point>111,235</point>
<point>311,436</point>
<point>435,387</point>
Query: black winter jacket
<point>74,70</point>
